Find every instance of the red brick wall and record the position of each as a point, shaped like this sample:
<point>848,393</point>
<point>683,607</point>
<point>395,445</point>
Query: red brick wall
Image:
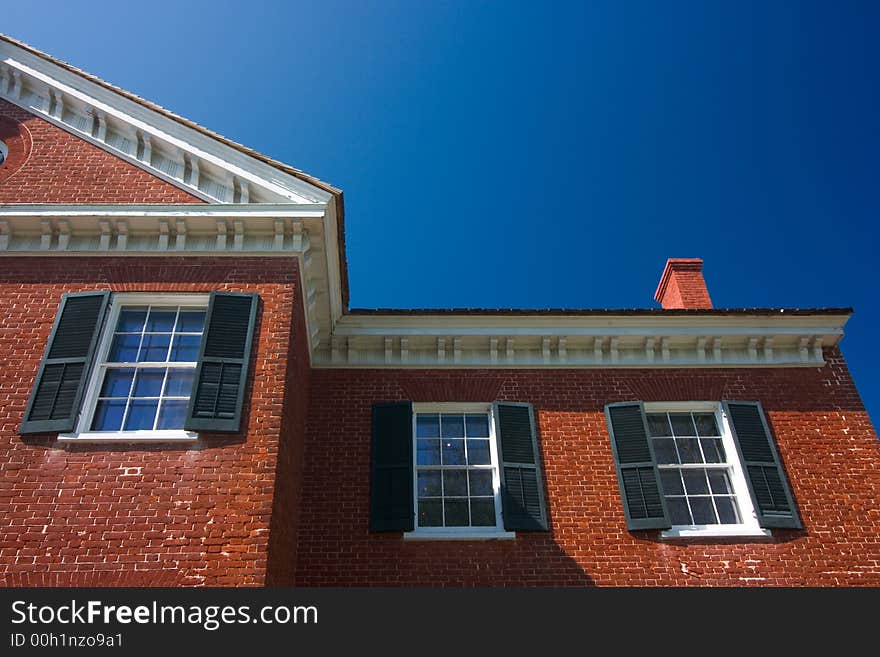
<point>197,515</point>
<point>825,439</point>
<point>49,165</point>
<point>293,394</point>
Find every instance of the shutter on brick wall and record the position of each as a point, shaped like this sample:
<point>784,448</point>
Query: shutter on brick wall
<point>391,480</point>
<point>218,388</point>
<point>57,394</point>
<point>522,489</point>
<point>643,501</point>
<point>769,489</point>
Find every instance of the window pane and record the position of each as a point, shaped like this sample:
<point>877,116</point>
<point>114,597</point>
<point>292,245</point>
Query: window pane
<point>695,482</point>
<point>706,424</point>
<point>671,480</point>
<point>428,452</point>
<point>456,512</point>
<point>682,425</point>
<point>148,383</point>
<point>658,425</point>
<point>108,415</point>
<point>483,513</point>
<point>689,450</point>
<point>191,321</point>
<point>704,512</point>
<point>429,483</point>
<point>141,414</point>
<point>453,452</point>
<point>161,320</point>
<point>452,426</point>
<point>477,426</point>
<point>155,348</point>
<point>430,513</point>
<point>455,482</point>
<point>664,450</point>
<point>185,348</point>
<point>117,383</point>
<point>481,482</point>
<point>131,320</point>
<point>719,481</point>
<point>124,348</point>
<point>179,383</point>
<point>428,426</point>
<point>727,511</point>
<point>172,415</point>
<point>713,450</point>
<point>678,511</point>
<point>478,452</point>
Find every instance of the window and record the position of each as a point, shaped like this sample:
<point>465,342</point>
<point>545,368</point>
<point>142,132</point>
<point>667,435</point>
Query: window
<point>140,371</point>
<point>144,369</point>
<point>699,468</point>
<point>701,477</point>
<point>457,487</point>
<point>4,151</point>
<point>456,470</point>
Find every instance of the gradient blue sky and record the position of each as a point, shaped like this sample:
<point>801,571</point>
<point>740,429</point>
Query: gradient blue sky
<point>552,154</point>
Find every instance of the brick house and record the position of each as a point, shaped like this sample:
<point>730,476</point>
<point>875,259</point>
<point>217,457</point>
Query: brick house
<point>188,400</point>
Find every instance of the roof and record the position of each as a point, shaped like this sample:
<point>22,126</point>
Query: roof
<point>297,173</point>
<point>603,311</point>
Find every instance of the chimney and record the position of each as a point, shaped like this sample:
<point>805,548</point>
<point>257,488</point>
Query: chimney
<point>682,285</point>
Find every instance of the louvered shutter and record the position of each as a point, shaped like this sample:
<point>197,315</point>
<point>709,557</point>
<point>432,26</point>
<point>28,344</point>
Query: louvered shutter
<point>643,502</point>
<point>522,489</point>
<point>57,394</point>
<point>768,487</point>
<point>391,477</point>
<point>218,388</point>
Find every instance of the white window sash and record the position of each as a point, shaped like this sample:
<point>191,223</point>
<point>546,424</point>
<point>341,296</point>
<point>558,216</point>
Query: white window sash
<point>460,533</point>
<point>749,519</point>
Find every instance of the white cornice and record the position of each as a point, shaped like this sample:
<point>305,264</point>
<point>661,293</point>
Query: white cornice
<point>284,230</point>
<point>565,341</point>
<point>187,158</point>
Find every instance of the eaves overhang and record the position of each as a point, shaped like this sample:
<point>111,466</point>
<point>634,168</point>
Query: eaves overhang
<point>298,231</point>
<point>756,337</point>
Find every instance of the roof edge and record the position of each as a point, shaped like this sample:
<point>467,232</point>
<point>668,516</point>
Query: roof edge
<point>658,312</point>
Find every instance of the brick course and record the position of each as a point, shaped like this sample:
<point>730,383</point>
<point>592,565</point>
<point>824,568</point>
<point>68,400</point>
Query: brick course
<point>825,439</point>
<point>135,514</point>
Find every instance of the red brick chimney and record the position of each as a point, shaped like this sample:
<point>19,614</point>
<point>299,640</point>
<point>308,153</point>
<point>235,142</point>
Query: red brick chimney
<point>682,285</point>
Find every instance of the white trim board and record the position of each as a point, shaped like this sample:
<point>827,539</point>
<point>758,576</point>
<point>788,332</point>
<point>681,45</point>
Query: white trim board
<point>181,155</point>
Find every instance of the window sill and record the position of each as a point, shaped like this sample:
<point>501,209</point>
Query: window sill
<point>732,531</point>
<point>129,437</point>
<point>423,535</point>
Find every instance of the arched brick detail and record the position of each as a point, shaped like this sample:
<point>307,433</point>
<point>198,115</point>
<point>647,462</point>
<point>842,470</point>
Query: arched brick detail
<point>18,140</point>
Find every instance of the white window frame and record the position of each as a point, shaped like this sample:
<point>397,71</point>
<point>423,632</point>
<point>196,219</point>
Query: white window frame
<point>82,433</point>
<point>459,533</point>
<point>749,526</point>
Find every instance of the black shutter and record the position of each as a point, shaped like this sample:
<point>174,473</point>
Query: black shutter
<point>391,481</point>
<point>522,489</point>
<point>643,501</point>
<point>768,487</point>
<point>224,356</point>
<point>58,389</point>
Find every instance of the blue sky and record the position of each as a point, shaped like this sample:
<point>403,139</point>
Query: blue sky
<point>505,154</point>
